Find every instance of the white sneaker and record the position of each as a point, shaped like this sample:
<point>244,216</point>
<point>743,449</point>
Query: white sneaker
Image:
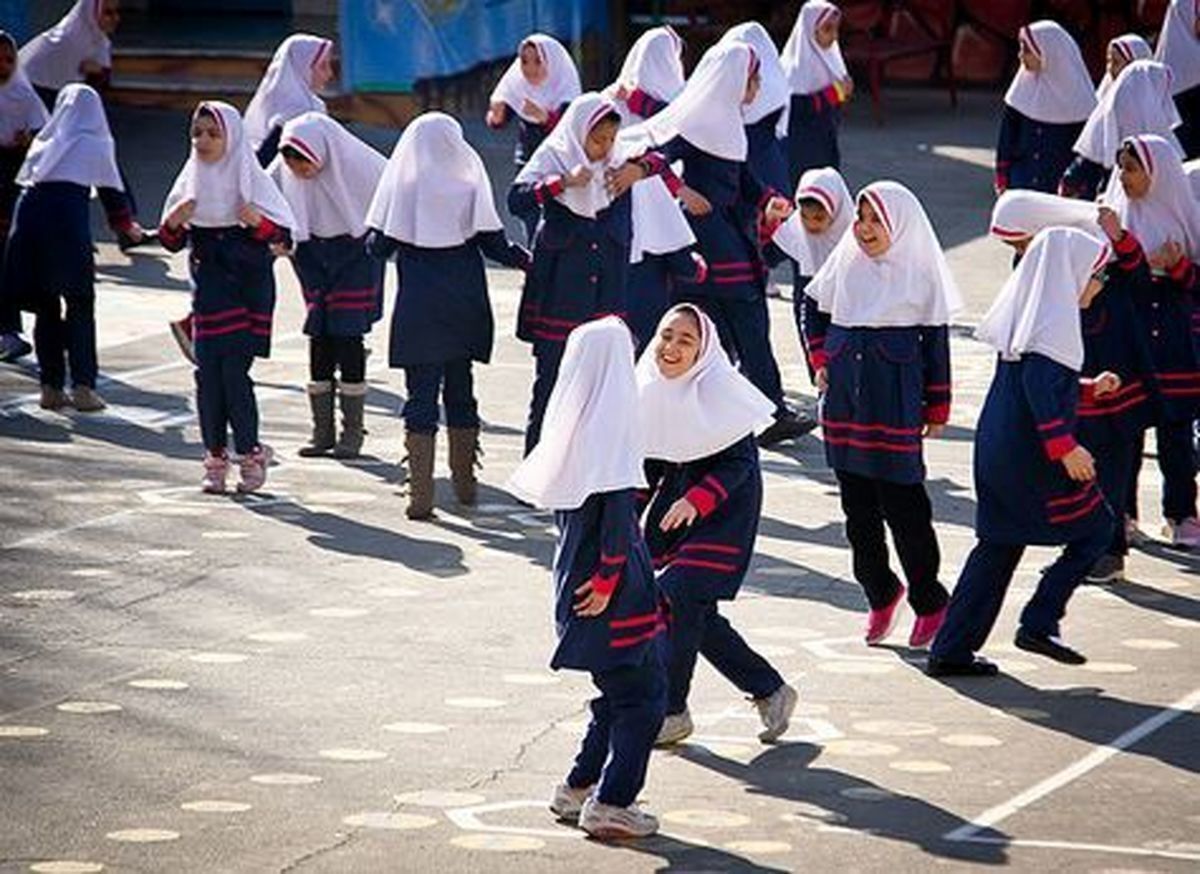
<point>1185,533</point>
<point>675,727</point>
<point>568,802</point>
<point>608,822</point>
<point>776,712</point>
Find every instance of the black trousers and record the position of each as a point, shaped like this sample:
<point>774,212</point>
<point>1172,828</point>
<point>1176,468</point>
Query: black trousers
<point>870,503</point>
<point>344,355</point>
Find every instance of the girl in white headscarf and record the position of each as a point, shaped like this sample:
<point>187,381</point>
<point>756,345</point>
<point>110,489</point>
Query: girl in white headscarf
<point>651,76</point>
<point>50,261</point>
<point>1151,196</point>
<point>299,69</point>
<point>820,84</point>
<point>588,468</point>
<point>1122,51</point>
<point>433,210</point>
<point>226,208</point>
<point>1138,103</point>
<point>1179,49</point>
<point>328,177</point>
<point>890,297</point>
<point>1034,483</point>
<point>699,417</point>
<point>1046,105</point>
<point>764,115</point>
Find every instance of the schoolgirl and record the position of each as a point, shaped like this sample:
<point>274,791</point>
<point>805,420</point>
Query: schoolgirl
<point>1121,52</point>
<point>728,208</point>
<point>434,211</point>
<point>587,468</point>
<point>79,49</point>
<point>1045,107</point>
<point>1034,483</point>
<point>819,84</point>
<point>49,263</point>
<point>651,75</point>
<point>328,176</point>
<point>299,69</point>
<point>537,87</point>
<point>234,218</point>
<point>1179,49</point>
<point>763,116</point>
<point>22,115</point>
<point>699,416</point>
<point>890,296</point>
<point>1139,102</point>
<point>1153,201</point>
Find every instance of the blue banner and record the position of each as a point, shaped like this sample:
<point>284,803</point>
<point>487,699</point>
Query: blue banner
<point>387,45</point>
<point>15,19</point>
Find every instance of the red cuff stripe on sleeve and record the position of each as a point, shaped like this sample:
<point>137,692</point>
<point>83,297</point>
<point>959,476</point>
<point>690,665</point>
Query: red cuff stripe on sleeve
<point>1057,447</point>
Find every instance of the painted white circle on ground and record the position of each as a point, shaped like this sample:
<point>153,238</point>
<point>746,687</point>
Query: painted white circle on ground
<point>895,727</point>
<point>143,835</point>
<point>285,779</point>
<point>225,535</point>
<point>759,848</point>
<point>852,747</point>
<point>352,754</point>
<point>863,667</point>
<point>920,766</point>
<point>475,703</point>
<point>970,740</point>
<point>393,592</point>
<point>159,684</point>
<point>164,553</point>
<point>338,612</point>
<point>498,843</point>
<point>339,498</point>
<point>277,636</point>
<point>16,732</point>
<point>1149,643</point>
<point>218,658</point>
<point>89,707</point>
<point>706,818</point>
<point>214,806</point>
<point>88,573</point>
<point>785,632</point>
<point>439,798</point>
<point>1109,667</point>
<point>866,793</point>
<point>66,866</point>
<point>531,679</point>
<point>383,819</point>
<point>44,595</point>
<point>416,727</point>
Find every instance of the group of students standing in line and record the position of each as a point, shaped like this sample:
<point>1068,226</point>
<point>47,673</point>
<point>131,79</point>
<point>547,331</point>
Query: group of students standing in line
<point>654,209</point>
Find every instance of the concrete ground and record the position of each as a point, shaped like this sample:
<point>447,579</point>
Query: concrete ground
<point>306,681</point>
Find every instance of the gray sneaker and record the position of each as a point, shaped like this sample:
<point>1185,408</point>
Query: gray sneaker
<point>776,712</point>
<point>568,802</point>
<point>676,727</point>
<point>1107,569</point>
<point>608,822</point>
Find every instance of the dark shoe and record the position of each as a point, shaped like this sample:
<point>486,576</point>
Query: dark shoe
<point>54,398</point>
<point>464,454</point>
<point>420,474</point>
<point>1044,644</point>
<point>135,236</point>
<point>320,399</point>
<point>1108,569</point>
<point>787,426</point>
<point>85,400</point>
<point>352,397</point>
<point>13,346</point>
<point>978,667</point>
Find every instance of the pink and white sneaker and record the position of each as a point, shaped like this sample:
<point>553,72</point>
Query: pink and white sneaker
<point>882,622</point>
<point>216,469</point>
<point>254,466</point>
<point>1185,533</point>
<point>925,629</point>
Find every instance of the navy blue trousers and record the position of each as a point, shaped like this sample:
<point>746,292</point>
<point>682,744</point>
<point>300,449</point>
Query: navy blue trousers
<point>547,356</point>
<point>984,581</point>
<point>697,628</point>
<point>1177,463</point>
<point>1115,464</point>
<point>454,381</point>
<point>625,721</point>
<point>745,329</point>
<point>225,400</point>
<point>58,340</point>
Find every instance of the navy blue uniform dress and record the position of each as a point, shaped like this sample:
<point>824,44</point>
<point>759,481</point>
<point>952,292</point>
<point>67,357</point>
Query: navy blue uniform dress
<point>885,385</point>
<point>1025,497</point>
<point>705,562</point>
<point>733,292</point>
<point>813,121</point>
<point>1188,133</point>
<point>442,321</point>
<point>1033,154</point>
<point>621,648</point>
<point>233,302</point>
<point>1083,179</point>
<point>765,153</point>
<point>49,263</point>
<point>655,283</point>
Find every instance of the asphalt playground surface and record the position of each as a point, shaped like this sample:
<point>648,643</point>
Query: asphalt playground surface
<point>304,680</point>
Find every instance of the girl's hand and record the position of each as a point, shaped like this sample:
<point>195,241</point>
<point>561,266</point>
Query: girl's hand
<point>1105,384</point>
<point>181,214</point>
<point>933,429</point>
<point>535,112</point>
<point>279,250</point>
<point>1166,256</point>
<point>249,215</point>
<point>590,602</point>
<point>621,179</point>
<point>1079,464</point>
<point>776,210</point>
<point>683,512</point>
<point>821,378</point>
<point>1110,223</point>
<point>580,177</point>
<point>495,115</point>
<point>622,92</point>
<point>694,202</point>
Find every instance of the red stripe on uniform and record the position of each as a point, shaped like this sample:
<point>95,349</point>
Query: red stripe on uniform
<point>711,547</point>
<point>707,565</point>
<point>622,642</point>
<point>885,429</point>
<point>634,621</point>
<point>871,444</point>
<point>1077,514</point>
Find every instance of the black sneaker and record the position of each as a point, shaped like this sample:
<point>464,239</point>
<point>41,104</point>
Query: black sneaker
<point>1107,569</point>
<point>977,667</point>
<point>1051,647</point>
<point>787,426</point>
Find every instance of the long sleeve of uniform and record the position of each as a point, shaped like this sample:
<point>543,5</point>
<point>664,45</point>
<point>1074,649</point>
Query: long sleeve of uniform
<point>687,266</point>
<point>722,479</point>
<point>496,246</point>
<point>172,239</point>
<point>380,245</point>
<point>266,231</point>
<point>1006,145</point>
<point>1052,392</point>
<point>935,352</point>
<point>815,325</point>
<point>642,104</point>
<point>615,534</point>
<point>526,199</point>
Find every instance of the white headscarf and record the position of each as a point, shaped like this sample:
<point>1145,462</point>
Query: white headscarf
<point>1131,47</point>
<point>561,84</point>
<point>1178,45</point>
<point>591,439</point>
<point>708,112</point>
<point>1169,210</point>
<point>654,65</point>
<point>220,189</point>
<point>563,150</point>
<point>1037,310</point>
<point>810,251</point>
<point>809,67</point>
<point>20,107</point>
<point>1139,102</point>
<point>435,190</point>
<point>1192,169</point>
<point>774,91</point>
<point>1019,214</point>
<point>1061,92</point>
<point>910,284</point>
<point>335,201</point>
<point>75,145</point>
<point>52,58</point>
<point>705,410</point>
<point>286,89</point>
